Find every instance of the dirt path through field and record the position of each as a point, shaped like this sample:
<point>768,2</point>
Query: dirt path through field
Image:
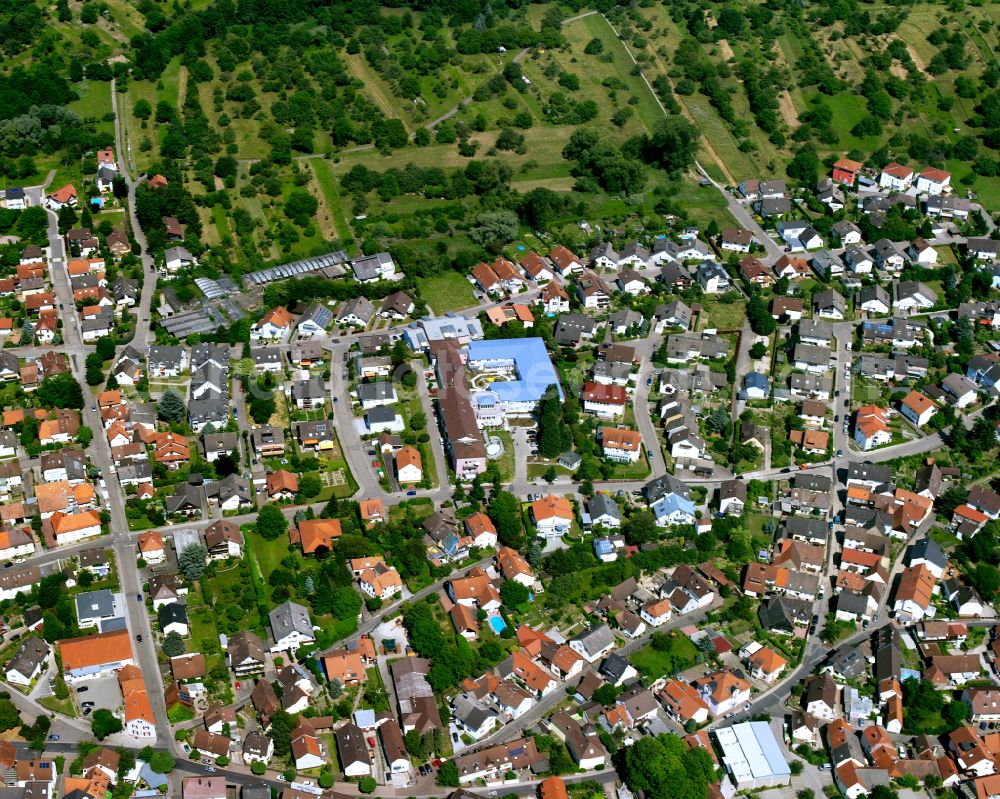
<point>788,112</point>
<point>726,48</point>
<point>324,214</point>
<point>916,59</point>
<point>358,70</point>
<point>182,85</point>
<point>705,143</point>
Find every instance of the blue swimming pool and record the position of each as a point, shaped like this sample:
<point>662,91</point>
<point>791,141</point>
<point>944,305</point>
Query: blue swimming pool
<point>498,624</point>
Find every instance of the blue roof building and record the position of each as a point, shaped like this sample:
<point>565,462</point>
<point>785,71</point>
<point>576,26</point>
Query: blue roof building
<point>756,385</point>
<point>673,509</point>
<point>526,361</point>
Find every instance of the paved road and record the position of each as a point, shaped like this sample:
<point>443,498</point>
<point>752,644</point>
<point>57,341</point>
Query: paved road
<point>640,405</point>
<point>740,213</point>
<point>437,447</point>
<point>549,701</point>
<point>123,150</point>
<point>742,368</point>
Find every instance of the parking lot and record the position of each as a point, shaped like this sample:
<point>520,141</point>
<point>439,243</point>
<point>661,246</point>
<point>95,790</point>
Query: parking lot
<point>103,692</point>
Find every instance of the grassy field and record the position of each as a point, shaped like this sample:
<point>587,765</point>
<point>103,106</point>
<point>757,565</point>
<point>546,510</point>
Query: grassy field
<point>724,315</point>
<point>447,291</point>
<point>329,197</point>
<point>653,664</point>
<point>95,99</point>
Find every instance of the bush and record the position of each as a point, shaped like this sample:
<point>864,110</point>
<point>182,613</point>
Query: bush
<point>258,768</point>
<point>104,724</point>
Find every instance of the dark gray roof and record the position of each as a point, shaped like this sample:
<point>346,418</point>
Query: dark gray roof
<point>95,605</point>
<point>595,638</point>
<point>381,414</point>
<point>780,613</point>
<point>930,550</point>
<point>29,656</point>
<point>171,613</point>
<point>288,617</point>
<point>381,390</point>
<point>869,472</point>
<point>660,487</point>
<point>601,505</point>
<point>812,529</point>
<point>351,745</point>
<point>318,314</point>
<point>614,667</point>
<point>852,602</point>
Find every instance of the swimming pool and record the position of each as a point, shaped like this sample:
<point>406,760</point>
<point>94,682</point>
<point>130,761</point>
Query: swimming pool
<point>498,624</point>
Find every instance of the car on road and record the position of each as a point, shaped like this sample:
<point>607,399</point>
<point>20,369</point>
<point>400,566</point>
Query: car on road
<point>847,403</point>
<point>53,738</point>
<point>87,711</point>
<point>210,769</point>
<point>840,453</point>
<point>411,493</point>
<point>649,454</point>
<point>454,737</point>
<point>371,453</point>
<point>82,689</point>
<point>836,417</point>
<point>139,638</point>
<point>649,381</point>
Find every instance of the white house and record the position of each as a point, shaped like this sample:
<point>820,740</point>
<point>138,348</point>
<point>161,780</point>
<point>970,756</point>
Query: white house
<point>933,181</point>
<point>896,177</point>
<point>29,659</point>
<point>291,627</point>
<point>656,613</point>
<point>799,236</point>
<point>552,515</point>
<point>173,618</point>
<point>712,278</point>
<point>177,258</point>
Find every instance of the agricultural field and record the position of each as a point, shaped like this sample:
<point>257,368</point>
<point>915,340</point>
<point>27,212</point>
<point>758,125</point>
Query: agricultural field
<point>401,131</point>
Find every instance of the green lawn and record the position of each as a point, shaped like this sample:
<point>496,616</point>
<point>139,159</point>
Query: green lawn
<point>631,471</point>
<point>653,663</point>
<point>448,291</point>
<point>331,195</point>
<point>269,554</point>
<point>95,99</point>
<point>722,315</point>
<point>64,706</point>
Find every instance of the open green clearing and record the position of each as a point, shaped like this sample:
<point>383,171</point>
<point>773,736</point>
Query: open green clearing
<point>448,291</point>
<point>653,663</point>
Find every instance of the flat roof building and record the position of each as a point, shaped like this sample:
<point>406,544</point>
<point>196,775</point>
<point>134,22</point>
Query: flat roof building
<point>752,756</point>
<point>527,363</point>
